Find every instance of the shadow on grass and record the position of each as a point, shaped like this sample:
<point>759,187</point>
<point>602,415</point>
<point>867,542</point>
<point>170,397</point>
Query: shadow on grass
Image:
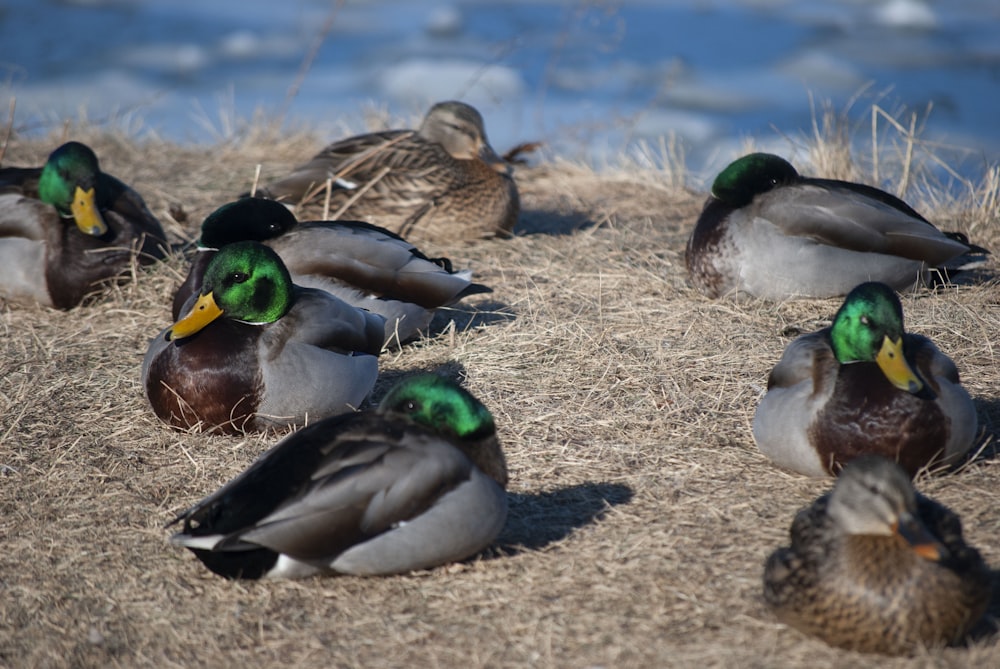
<point>988,410</point>
<point>541,222</point>
<point>470,316</point>
<point>536,520</point>
<point>989,625</point>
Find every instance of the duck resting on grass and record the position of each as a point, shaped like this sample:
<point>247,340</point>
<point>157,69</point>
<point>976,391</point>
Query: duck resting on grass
<point>864,385</point>
<point>253,351</point>
<point>364,265</point>
<point>67,227</point>
<point>768,232</point>
<point>417,483</point>
<point>442,182</point>
<point>875,567</point>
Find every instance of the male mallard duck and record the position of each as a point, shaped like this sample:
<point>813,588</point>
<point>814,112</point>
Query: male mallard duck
<point>875,567</point>
<point>364,265</point>
<point>440,183</point>
<point>255,351</point>
<point>864,385</point>
<point>415,484</point>
<point>43,258</point>
<point>771,233</point>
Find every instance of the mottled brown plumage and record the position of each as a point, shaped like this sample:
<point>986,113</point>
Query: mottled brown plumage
<point>875,567</point>
<point>440,183</point>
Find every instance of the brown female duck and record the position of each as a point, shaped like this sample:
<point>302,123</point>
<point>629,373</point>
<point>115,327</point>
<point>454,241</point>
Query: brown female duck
<point>442,182</point>
<point>875,567</point>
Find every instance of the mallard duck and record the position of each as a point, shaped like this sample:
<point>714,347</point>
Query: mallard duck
<point>876,567</point>
<point>415,484</point>
<point>254,351</point>
<point>440,183</point>
<point>364,265</point>
<point>864,385</point>
<point>771,233</point>
<point>67,227</point>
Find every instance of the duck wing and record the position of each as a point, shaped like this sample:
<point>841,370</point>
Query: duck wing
<point>315,494</point>
<point>843,217</point>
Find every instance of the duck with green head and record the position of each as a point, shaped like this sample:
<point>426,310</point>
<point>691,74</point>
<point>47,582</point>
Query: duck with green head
<point>875,567</point>
<point>417,483</point>
<point>362,264</point>
<point>254,351</point>
<point>864,385</point>
<point>440,183</point>
<point>769,232</point>
<point>67,227</point>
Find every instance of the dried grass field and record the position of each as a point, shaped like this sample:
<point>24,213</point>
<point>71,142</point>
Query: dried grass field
<point>641,511</point>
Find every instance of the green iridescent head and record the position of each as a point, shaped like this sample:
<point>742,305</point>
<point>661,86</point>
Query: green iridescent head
<point>749,176</point>
<point>245,282</point>
<point>869,328</point>
<point>441,405</point>
<point>70,181</point>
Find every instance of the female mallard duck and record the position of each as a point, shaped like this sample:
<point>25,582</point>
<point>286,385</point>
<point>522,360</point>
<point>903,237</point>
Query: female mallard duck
<point>43,258</point>
<point>415,484</point>
<point>875,567</point>
<point>254,351</point>
<point>441,183</point>
<point>864,385</point>
<point>771,233</point>
<point>366,266</point>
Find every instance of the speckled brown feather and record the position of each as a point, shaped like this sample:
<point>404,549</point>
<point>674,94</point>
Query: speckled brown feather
<point>418,189</point>
<point>873,593</point>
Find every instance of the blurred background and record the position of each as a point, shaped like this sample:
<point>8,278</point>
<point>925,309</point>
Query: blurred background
<point>594,80</point>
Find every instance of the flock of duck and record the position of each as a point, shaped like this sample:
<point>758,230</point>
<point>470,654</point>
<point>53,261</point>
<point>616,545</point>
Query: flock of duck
<point>280,323</point>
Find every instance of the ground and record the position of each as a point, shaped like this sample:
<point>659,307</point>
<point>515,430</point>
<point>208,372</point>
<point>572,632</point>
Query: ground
<point>641,510</point>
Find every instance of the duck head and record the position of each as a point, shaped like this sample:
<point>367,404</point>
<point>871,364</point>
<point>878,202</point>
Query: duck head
<point>869,327</point>
<point>69,182</point>
<point>245,282</point>
<point>874,496</point>
<point>249,218</point>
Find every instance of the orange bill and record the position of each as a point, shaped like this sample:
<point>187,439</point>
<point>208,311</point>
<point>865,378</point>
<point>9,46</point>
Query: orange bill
<point>923,543</point>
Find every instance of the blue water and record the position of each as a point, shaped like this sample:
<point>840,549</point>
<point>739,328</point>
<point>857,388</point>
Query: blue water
<point>590,78</point>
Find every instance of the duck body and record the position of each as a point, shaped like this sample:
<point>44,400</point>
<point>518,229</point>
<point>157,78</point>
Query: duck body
<point>318,359</point>
<point>44,256</point>
<point>372,493</point>
<point>362,264</point>
<point>440,183</point>
<point>768,232</point>
<point>819,413</point>
<point>853,580</point>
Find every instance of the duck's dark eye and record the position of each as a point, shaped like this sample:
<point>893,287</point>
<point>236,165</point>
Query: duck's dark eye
<point>239,277</point>
<point>412,406</point>
<point>865,320</point>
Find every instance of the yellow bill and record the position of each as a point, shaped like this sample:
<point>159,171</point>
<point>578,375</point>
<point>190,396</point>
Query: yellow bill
<point>204,311</point>
<point>892,363</point>
<point>85,213</point>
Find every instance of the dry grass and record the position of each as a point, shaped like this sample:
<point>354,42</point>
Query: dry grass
<point>641,511</point>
